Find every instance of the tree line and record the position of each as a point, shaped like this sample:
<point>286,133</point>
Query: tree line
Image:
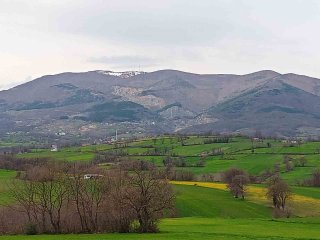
<point>80,198</point>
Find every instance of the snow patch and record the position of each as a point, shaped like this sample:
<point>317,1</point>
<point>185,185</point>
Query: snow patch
<point>126,74</point>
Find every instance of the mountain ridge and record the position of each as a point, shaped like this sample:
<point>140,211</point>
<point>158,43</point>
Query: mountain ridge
<point>169,100</point>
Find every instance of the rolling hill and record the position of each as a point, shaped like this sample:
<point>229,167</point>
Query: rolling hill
<point>206,209</point>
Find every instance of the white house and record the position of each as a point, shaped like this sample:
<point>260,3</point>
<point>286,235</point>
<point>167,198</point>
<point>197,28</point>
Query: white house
<point>54,148</point>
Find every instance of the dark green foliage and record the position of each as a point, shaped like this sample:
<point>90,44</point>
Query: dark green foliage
<point>118,111</point>
<point>170,106</point>
<point>82,118</point>
<point>216,140</point>
<point>36,105</point>
<point>280,109</point>
<point>64,118</point>
<point>177,162</point>
<point>31,229</point>
<point>79,96</point>
<point>82,96</point>
<point>66,86</point>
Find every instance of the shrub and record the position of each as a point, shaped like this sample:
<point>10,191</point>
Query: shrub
<point>134,226</point>
<point>31,229</point>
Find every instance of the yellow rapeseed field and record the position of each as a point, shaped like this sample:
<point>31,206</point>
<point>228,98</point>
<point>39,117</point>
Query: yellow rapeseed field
<point>214,185</point>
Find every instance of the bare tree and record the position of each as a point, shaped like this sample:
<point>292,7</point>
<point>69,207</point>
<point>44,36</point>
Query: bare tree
<point>59,201</point>
<point>149,197</point>
<point>316,178</point>
<point>42,196</point>
<point>279,191</point>
<point>89,196</point>
<point>238,185</point>
<point>236,179</point>
<point>24,195</point>
<point>229,174</point>
<point>288,163</point>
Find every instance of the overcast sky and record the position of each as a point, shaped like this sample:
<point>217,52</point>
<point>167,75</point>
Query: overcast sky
<point>39,37</point>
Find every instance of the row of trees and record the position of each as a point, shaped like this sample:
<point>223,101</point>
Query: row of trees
<point>216,140</point>
<point>64,198</point>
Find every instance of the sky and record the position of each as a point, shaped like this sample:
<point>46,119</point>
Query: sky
<point>41,37</point>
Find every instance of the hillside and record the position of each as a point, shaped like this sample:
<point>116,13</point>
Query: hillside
<point>237,152</point>
<point>163,101</point>
<point>275,107</point>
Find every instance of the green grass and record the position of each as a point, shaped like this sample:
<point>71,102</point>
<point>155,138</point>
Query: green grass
<point>298,174</point>
<point>5,176</point>
<point>252,163</point>
<point>209,228</point>
<point>208,202</point>
<point>313,192</point>
<point>157,160</point>
<point>61,155</point>
<point>305,148</point>
<point>195,150</point>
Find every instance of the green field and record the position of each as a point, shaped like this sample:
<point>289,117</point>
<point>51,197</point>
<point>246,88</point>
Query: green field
<point>5,176</point>
<point>209,228</point>
<point>236,153</point>
<point>208,212</point>
<point>205,202</point>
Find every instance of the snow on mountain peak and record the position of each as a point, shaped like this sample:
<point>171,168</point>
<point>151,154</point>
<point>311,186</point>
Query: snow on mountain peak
<point>126,74</point>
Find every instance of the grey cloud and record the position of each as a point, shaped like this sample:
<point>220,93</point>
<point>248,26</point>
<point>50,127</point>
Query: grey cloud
<point>39,37</point>
<point>181,22</point>
<point>176,23</point>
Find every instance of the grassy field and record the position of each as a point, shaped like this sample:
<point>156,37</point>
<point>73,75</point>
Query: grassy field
<point>209,228</point>
<point>209,197</point>
<point>213,202</point>
<point>207,210</point>
<point>5,176</point>
<point>237,153</point>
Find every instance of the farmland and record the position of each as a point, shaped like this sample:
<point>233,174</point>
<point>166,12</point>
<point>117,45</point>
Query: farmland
<point>211,213</point>
<point>206,209</point>
<point>240,152</point>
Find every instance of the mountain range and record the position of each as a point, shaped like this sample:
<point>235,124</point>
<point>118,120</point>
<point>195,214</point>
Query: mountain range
<point>89,103</point>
